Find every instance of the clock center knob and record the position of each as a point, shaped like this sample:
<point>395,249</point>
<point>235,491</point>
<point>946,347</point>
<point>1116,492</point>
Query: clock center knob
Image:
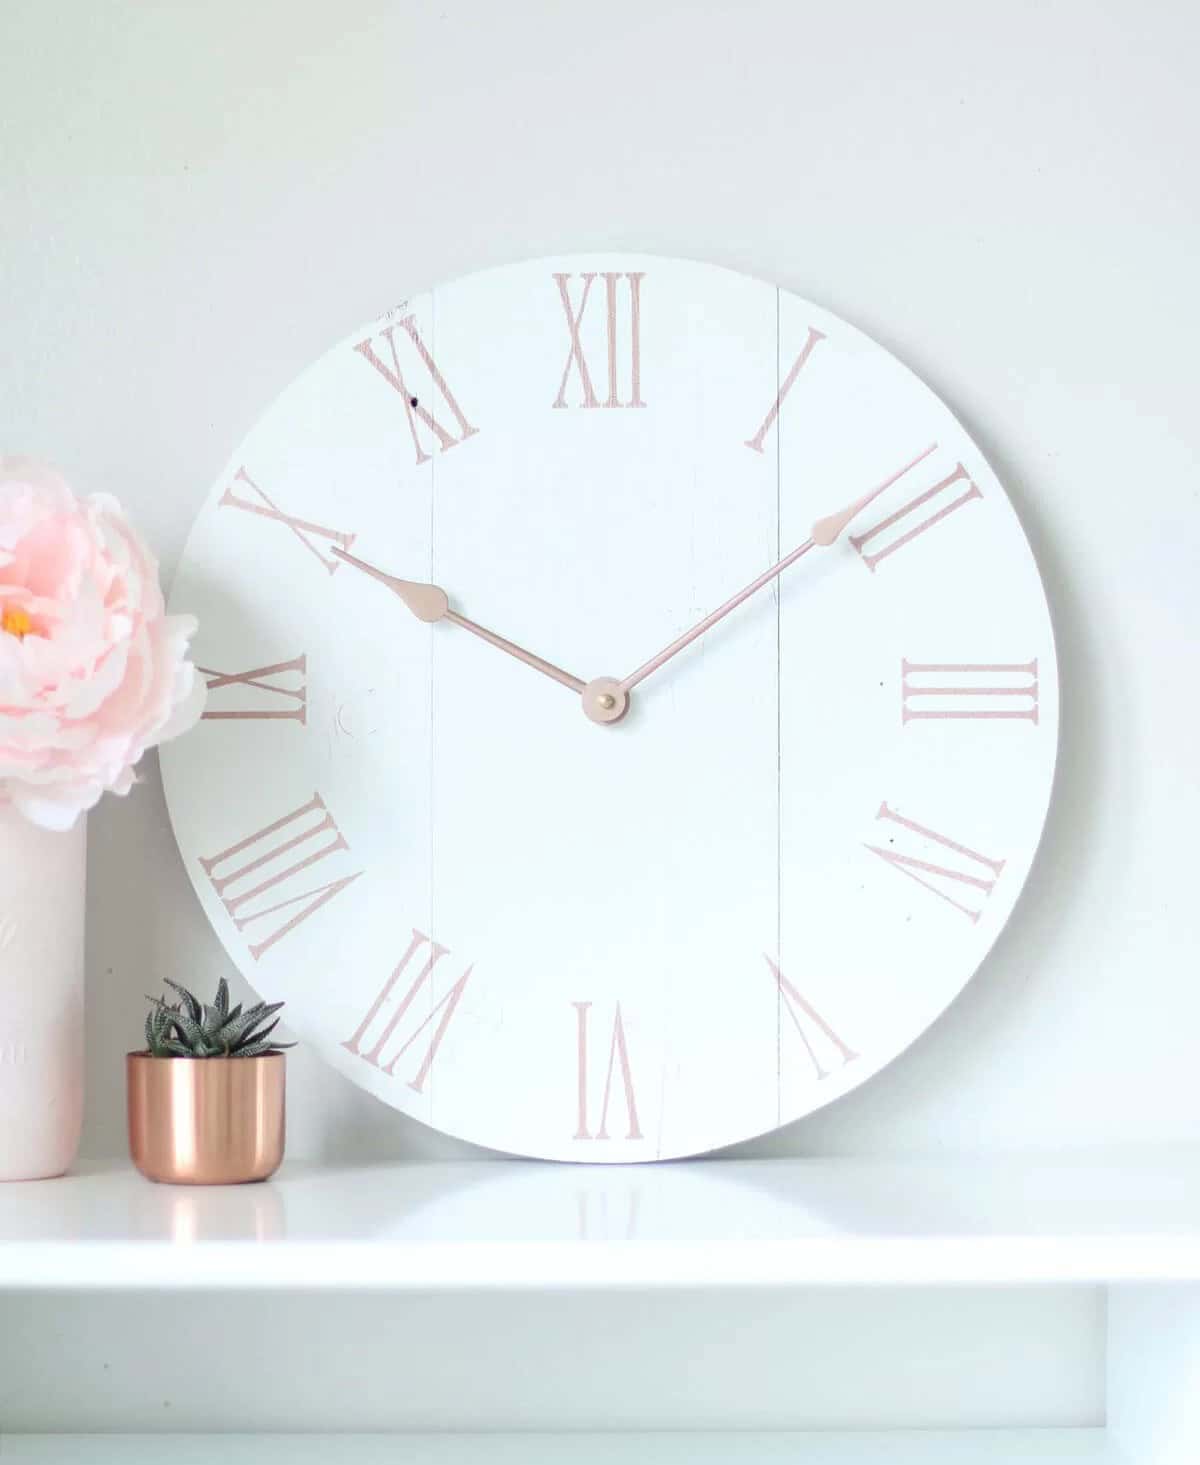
<point>605,700</point>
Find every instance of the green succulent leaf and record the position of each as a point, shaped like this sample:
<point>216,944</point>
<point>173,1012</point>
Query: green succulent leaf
<point>221,1000</point>
<point>190,1003</point>
<point>256,1050</point>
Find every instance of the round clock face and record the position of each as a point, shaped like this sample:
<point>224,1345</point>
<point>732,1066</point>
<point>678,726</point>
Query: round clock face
<point>521,865</point>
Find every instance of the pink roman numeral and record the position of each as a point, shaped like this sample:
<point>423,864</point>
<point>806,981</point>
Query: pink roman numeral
<point>957,489</point>
<point>815,1033</point>
<point>414,407</point>
<point>618,1052</point>
<point>575,355</point>
<point>927,871</point>
<point>789,381</point>
<point>265,679</point>
<point>387,1022</point>
<point>304,529</point>
<point>998,691</point>
<point>268,867</point>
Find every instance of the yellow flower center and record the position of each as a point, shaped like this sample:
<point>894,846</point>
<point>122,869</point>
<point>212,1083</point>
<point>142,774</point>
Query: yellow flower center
<point>16,622</point>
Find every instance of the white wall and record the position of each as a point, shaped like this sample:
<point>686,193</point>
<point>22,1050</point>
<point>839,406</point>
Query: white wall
<point>195,200</point>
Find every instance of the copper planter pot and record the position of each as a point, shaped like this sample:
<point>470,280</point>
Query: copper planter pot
<point>206,1121</point>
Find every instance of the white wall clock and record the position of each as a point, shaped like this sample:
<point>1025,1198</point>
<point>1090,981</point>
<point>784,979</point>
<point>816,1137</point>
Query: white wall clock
<point>516,872</point>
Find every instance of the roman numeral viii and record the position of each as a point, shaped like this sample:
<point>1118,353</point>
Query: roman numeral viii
<point>402,380</point>
<point>907,522</point>
<point>263,866</point>
<point>972,881</point>
<point>281,698</point>
<point>618,1057</point>
<point>306,531</point>
<point>821,1042</point>
<point>384,1029</point>
<point>575,355</point>
<point>996,691</point>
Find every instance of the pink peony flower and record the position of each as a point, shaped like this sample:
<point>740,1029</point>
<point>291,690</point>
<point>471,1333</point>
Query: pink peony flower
<point>92,669</point>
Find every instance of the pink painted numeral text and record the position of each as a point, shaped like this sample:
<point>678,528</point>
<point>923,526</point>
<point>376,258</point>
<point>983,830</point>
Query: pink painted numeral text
<point>408,380</point>
<point>973,880</point>
<point>263,866</point>
<point>821,1042</point>
<point>376,1040</point>
<point>906,523</point>
<point>263,694</point>
<point>618,1058</point>
<point>755,443</point>
<point>614,335</point>
<point>306,531</point>
<point>998,691</point>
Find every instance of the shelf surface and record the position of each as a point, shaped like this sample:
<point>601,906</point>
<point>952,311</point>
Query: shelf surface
<point>502,1223</point>
<point>905,1447</point>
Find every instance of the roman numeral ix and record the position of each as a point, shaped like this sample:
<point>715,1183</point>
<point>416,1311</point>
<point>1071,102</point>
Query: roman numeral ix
<point>276,682</point>
<point>262,867</point>
<point>384,1027</point>
<point>575,355</point>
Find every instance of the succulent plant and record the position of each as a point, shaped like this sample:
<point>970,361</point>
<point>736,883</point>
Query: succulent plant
<point>190,1028</point>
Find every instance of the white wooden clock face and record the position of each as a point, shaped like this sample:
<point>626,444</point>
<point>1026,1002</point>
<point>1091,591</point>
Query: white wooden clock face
<point>651,937</point>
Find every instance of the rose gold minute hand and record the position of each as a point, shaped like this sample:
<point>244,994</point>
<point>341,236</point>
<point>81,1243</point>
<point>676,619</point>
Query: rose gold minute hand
<point>430,603</point>
<point>824,533</point>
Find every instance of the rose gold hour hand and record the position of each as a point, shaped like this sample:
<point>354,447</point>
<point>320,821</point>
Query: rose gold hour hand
<point>825,532</point>
<point>430,603</point>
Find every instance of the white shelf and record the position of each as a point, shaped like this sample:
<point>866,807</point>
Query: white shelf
<point>904,1447</point>
<point>702,1224</point>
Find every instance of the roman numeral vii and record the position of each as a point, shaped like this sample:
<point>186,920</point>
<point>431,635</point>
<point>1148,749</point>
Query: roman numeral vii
<point>391,1026</point>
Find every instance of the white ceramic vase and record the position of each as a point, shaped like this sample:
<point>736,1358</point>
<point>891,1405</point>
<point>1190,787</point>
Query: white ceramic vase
<point>42,886</point>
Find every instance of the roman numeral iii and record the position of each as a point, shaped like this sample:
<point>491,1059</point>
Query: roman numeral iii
<point>618,1058</point>
<point>263,866</point>
<point>305,530</point>
<point>906,523</point>
<point>409,381</point>
<point>963,885</point>
<point>384,1029</point>
<point>821,1042</point>
<point>577,360</point>
<point>264,694</point>
<point>997,691</point>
